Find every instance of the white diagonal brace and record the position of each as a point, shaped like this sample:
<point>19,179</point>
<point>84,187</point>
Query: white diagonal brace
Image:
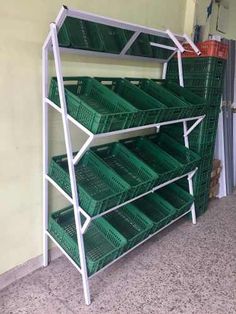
<point>191,43</point>
<point>61,90</point>
<point>129,43</point>
<point>193,126</point>
<point>83,149</point>
<point>175,40</point>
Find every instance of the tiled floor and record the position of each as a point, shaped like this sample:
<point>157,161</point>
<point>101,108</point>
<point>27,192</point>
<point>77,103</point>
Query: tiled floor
<point>185,269</point>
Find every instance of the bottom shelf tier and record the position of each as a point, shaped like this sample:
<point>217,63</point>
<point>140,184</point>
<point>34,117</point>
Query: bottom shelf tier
<point>110,237</point>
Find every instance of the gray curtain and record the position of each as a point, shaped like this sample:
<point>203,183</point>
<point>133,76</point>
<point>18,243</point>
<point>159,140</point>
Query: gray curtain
<point>228,98</point>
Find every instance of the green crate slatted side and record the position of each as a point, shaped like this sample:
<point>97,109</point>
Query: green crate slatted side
<point>131,223</point>
<point>141,47</point>
<point>164,165</point>
<point>103,243</point>
<point>175,107</point>
<point>83,34</point>
<point>199,81</point>
<point>211,95</point>
<point>90,103</point>
<point>99,187</point>
<point>63,37</point>
<point>136,173</point>
<point>202,65</point>
<point>152,110</point>
<point>181,102</point>
<point>188,159</point>
<point>158,52</point>
<point>156,209</point>
<point>114,39</point>
<point>177,197</point>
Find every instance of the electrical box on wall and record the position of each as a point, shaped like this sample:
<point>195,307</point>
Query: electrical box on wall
<point>222,19</point>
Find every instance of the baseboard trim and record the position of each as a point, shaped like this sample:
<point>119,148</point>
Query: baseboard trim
<point>26,268</point>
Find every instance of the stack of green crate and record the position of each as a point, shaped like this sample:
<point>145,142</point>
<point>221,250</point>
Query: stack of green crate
<point>204,76</point>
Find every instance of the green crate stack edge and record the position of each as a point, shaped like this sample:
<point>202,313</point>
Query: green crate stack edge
<point>203,76</point>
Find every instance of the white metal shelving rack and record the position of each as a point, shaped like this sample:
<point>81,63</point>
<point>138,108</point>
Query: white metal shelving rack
<point>51,45</point>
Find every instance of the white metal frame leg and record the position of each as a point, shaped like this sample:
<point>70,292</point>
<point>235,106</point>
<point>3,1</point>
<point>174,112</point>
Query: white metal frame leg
<point>70,163</point>
<point>190,176</point>
<point>45,151</point>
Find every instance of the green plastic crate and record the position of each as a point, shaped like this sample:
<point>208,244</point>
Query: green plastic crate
<point>197,105</point>
<point>199,65</point>
<point>179,101</point>
<point>83,34</point>
<point>63,37</point>
<point>131,223</point>
<point>141,47</point>
<point>177,197</point>
<point>137,174</point>
<point>152,110</point>
<point>201,204</point>
<point>187,158</point>
<point>165,166</point>
<point>161,53</point>
<point>98,186</point>
<point>102,242</point>
<point>198,80</point>
<point>201,188</point>
<point>211,95</point>
<point>94,106</point>
<point>113,38</point>
<point>156,209</point>
<point>203,148</point>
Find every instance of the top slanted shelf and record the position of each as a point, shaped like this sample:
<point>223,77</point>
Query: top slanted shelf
<point>91,33</point>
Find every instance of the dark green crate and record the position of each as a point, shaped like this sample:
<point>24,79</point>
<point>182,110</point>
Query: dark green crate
<point>102,242</point>
<point>180,102</point>
<point>83,34</point>
<point>196,104</point>
<point>165,166</point>
<point>98,186</point>
<point>137,174</point>
<point>187,158</point>
<point>201,188</point>
<point>199,81</point>
<point>113,38</point>
<point>202,197</point>
<point>94,106</point>
<point>183,183</point>
<point>131,223</point>
<point>201,204</point>
<point>156,209</point>
<point>211,95</point>
<point>152,110</point>
<point>203,148</point>
<point>141,47</point>
<point>158,52</point>
<point>175,107</point>
<point>177,197</point>
<point>199,65</point>
<point>63,37</point>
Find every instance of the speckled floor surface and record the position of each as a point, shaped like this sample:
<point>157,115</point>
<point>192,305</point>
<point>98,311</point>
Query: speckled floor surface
<point>185,269</point>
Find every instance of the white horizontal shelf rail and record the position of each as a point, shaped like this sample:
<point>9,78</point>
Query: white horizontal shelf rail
<point>51,45</point>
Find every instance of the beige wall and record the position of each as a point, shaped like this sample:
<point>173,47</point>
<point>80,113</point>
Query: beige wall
<point>23,28</point>
<point>210,24</point>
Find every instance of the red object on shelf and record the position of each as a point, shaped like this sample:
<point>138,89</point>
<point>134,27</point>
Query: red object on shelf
<point>209,48</point>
